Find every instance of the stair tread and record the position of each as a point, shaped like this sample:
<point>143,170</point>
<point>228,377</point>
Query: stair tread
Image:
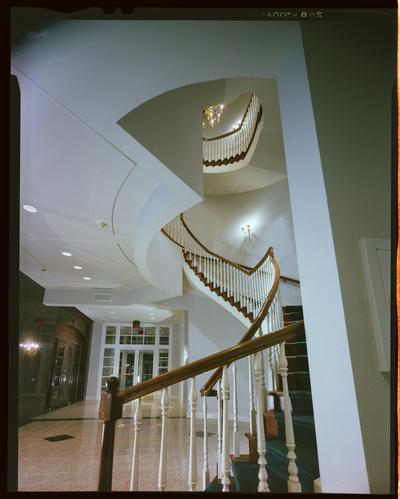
<point>246,471</point>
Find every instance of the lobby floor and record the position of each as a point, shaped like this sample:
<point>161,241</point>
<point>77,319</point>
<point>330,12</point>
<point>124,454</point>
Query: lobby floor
<point>72,464</point>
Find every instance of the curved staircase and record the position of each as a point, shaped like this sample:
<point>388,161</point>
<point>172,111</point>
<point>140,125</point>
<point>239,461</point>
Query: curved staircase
<point>282,450</point>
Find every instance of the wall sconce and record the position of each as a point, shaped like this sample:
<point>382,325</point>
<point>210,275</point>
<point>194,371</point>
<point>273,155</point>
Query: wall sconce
<point>246,230</point>
<point>30,347</point>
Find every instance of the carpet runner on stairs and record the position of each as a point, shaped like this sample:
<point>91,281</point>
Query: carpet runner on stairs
<point>245,468</point>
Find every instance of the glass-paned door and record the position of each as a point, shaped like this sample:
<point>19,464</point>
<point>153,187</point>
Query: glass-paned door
<point>63,375</point>
<point>146,365</point>
<point>126,369</point>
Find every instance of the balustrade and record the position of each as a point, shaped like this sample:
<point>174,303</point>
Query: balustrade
<point>232,147</point>
<point>112,400</point>
<point>252,290</point>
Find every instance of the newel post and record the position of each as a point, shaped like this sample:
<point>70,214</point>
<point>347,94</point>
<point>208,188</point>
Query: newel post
<point>110,410</point>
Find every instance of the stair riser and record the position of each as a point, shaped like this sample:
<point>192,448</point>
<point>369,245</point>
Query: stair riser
<point>288,309</point>
<point>295,349</point>
<point>302,433</point>
<point>299,382</point>
<point>301,405</point>
<point>293,317</point>
<point>297,363</point>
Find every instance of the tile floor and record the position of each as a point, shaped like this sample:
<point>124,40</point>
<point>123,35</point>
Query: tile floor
<point>72,464</point>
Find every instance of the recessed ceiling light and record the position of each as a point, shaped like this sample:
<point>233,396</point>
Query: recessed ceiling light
<point>102,224</point>
<point>77,267</point>
<point>30,208</point>
<point>87,278</point>
<point>67,253</point>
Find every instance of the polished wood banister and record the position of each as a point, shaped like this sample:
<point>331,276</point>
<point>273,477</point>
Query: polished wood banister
<point>290,280</point>
<point>208,386</point>
<point>173,240</point>
<point>227,134</point>
<point>208,363</point>
<point>246,270</point>
<point>240,156</point>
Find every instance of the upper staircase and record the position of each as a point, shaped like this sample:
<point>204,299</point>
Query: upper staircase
<point>245,291</point>
<point>279,428</point>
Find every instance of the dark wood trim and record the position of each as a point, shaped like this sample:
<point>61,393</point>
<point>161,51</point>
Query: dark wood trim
<point>70,332</point>
<point>170,238</point>
<point>290,280</point>
<point>250,332</point>
<point>228,134</point>
<point>208,363</point>
<point>246,270</point>
<point>238,157</point>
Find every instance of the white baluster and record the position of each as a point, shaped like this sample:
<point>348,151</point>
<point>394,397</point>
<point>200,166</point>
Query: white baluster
<point>192,447</point>
<point>245,291</point>
<point>272,365</point>
<point>137,424</point>
<point>262,379</point>
<point>252,412</point>
<point>261,447</point>
<point>294,484</point>
<point>206,471</point>
<point>225,438</point>
<point>236,441</point>
<point>219,429</point>
<point>234,284</point>
<point>162,471</point>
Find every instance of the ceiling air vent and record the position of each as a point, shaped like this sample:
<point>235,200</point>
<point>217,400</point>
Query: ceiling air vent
<point>103,297</point>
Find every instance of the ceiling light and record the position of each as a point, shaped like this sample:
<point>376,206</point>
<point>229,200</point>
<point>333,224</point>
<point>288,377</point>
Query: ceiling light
<point>102,224</point>
<point>246,229</point>
<point>87,278</point>
<point>67,253</point>
<point>30,347</point>
<point>212,115</point>
<point>30,208</point>
<point>77,267</point>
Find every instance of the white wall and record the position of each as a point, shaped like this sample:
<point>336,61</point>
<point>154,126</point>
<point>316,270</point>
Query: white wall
<point>210,330</point>
<point>169,126</point>
<point>92,386</point>
<point>217,222</point>
<point>329,162</point>
<point>351,84</point>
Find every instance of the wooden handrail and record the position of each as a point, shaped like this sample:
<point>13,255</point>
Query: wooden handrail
<point>227,134</point>
<point>242,268</point>
<point>290,280</point>
<point>251,331</point>
<point>224,357</point>
<point>240,156</point>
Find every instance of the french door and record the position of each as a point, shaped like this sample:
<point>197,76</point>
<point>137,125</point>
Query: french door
<point>135,365</point>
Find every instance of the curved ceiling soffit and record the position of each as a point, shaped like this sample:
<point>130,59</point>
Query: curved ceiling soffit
<point>204,92</point>
<point>113,222</point>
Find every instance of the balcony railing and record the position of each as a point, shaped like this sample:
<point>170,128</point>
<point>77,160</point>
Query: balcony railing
<point>233,147</point>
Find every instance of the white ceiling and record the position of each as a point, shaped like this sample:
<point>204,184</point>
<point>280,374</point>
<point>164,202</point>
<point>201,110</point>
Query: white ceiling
<point>75,157</point>
<point>142,313</point>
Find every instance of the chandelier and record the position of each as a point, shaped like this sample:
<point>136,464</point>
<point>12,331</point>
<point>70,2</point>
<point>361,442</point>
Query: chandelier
<point>212,115</point>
